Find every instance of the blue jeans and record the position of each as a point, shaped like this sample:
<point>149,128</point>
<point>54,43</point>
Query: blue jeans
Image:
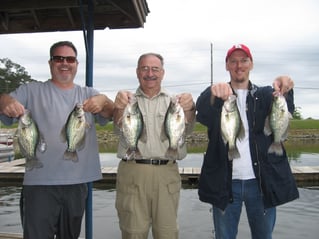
<point>261,220</point>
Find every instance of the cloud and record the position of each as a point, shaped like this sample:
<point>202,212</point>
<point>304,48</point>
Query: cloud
<point>283,37</point>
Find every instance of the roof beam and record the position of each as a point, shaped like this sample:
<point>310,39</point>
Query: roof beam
<point>4,21</point>
<point>9,5</point>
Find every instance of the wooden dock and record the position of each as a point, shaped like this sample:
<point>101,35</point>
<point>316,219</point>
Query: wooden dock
<point>11,172</point>
<point>5,235</point>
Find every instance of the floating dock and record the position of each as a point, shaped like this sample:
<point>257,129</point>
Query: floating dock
<point>4,235</point>
<point>13,171</point>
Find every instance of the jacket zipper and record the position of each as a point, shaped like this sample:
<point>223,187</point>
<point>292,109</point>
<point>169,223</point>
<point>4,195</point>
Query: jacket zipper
<point>256,149</point>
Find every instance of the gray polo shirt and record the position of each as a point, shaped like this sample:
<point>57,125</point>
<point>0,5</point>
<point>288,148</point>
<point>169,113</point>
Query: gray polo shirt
<point>50,107</point>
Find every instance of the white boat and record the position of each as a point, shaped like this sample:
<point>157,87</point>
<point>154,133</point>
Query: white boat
<point>6,137</point>
<point>6,147</point>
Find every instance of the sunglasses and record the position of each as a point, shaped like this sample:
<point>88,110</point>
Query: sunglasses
<point>60,59</point>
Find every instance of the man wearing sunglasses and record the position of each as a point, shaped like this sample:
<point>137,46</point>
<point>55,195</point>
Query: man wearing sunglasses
<point>53,196</point>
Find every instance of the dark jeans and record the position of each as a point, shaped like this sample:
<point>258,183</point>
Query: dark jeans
<point>261,220</point>
<point>49,211</point>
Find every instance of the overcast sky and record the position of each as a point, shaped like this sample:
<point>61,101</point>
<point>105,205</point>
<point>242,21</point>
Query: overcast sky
<point>283,36</point>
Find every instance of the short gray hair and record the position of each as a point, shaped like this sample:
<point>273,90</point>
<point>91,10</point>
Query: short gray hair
<point>151,54</point>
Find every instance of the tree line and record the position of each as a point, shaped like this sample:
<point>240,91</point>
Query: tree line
<point>12,75</point>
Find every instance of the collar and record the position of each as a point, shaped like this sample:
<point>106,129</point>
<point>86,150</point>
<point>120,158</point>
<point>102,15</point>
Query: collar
<point>139,92</point>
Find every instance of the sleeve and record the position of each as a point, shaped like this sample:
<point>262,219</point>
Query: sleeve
<point>290,101</point>
<point>20,94</point>
<point>208,113</point>
<point>98,118</point>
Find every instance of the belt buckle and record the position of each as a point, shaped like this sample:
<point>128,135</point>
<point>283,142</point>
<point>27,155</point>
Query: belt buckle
<point>155,161</point>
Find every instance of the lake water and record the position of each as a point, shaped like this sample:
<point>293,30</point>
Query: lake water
<point>196,159</point>
<point>295,220</point>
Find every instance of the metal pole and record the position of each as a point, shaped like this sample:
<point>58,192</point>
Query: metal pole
<point>89,82</point>
<point>211,63</point>
<point>90,40</point>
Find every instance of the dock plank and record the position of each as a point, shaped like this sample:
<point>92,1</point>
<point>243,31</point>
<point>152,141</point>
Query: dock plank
<point>15,169</point>
<point>5,235</point>
<point>305,169</point>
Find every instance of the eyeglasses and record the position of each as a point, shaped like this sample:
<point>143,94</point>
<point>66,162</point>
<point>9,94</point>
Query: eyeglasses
<point>154,69</point>
<point>60,59</point>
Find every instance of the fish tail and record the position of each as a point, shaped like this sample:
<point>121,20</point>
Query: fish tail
<point>171,154</point>
<point>32,163</point>
<point>130,154</point>
<point>276,148</point>
<point>233,153</point>
<point>71,155</point>
<point>137,154</point>
<point>133,153</point>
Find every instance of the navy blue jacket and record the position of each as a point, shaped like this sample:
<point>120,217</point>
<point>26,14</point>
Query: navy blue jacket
<point>273,172</point>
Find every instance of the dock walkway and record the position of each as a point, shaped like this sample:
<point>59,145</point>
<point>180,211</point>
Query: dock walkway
<point>14,170</point>
<point>5,235</point>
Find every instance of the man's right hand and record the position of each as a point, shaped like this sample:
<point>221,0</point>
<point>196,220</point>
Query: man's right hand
<point>10,107</point>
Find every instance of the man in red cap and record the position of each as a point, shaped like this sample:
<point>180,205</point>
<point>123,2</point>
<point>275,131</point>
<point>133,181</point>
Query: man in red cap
<point>260,179</point>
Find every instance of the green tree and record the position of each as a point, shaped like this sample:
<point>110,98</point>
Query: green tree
<point>297,113</point>
<point>12,75</point>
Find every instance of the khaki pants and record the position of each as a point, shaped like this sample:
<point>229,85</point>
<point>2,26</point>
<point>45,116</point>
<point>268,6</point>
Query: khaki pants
<point>148,196</point>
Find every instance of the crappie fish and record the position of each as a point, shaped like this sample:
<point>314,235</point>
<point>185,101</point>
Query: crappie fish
<point>231,126</point>
<point>132,128</point>
<point>73,132</point>
<point>174,128</point>
<point>29,139</point>
<point>277,123</point>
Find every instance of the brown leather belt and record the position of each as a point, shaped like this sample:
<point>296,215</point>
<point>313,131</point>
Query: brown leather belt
<point>150,161</point>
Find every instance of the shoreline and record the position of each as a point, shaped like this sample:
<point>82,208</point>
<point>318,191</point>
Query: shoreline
<point>107,136</point>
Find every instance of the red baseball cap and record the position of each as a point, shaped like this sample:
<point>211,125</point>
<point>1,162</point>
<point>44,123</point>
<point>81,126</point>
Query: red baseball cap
<point>241,47</point>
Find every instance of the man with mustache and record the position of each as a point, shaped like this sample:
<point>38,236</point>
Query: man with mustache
<point>148,188</point>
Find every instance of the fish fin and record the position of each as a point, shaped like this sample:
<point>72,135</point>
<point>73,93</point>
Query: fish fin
<point>24,152</point>
<point>182,140</point>
<point>42,146</point>
<point>80,145</point>
<point>224,139</point>
<point>63,134</point>
<point>32,163</point>
<point>143,136</point>
<point>163,135</point>
<point>241,133</point>
<point>132,154</point>
<point>137,154</point>
<point>290,116</point>
<point>71,155</point>
<point>276,148</point>
<point>267,128</point>
<point>233,153</point>
<point>172,154</point>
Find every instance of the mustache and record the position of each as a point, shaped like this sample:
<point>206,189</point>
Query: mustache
<point>150,78</point>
